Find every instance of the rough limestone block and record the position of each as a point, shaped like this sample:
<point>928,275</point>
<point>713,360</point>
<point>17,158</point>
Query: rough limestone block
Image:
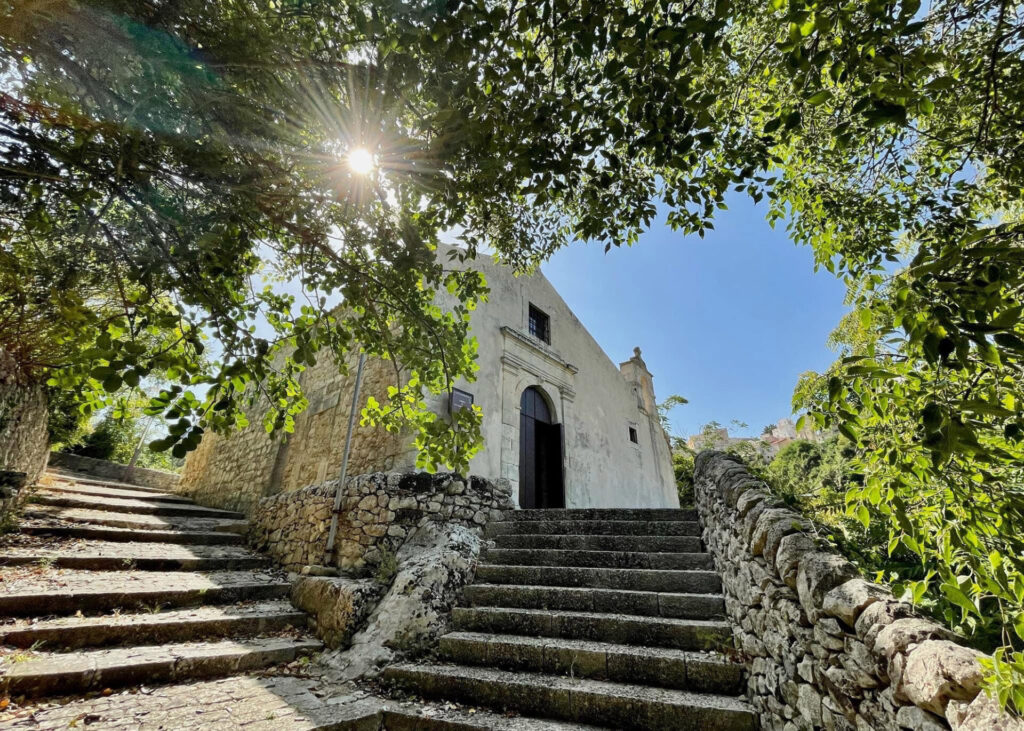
<point>848,600</point>
<point>981,714</point>
<point>765,522</point>
<point>779,530</point>
<point>898,636</point>
<point>818,574</point>
<point>790,552</point>
<point>338,605</point>
<point>918,719</point>
<point>938,671</point>
<point>748,500</point>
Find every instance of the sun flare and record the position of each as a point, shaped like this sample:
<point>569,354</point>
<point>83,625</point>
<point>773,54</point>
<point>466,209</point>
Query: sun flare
<point>361,161</point>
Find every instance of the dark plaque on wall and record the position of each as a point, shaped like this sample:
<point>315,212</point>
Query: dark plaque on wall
<point>459,400</point>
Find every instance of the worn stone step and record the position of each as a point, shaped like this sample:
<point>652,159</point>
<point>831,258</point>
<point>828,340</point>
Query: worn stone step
<point>186,538</point>
<point>595,527</point>
<point>577,699</point>
<point>622,629</point>
<point>597,559</point>
<point>50,674</point>
<point>692,582</point>
<point>118,556</point>
<point>103,591</point>
<point>412,717</point>
<point>101,491</point>
<point>645,603</point>
<point>134,506</point>
<point>642,514</point>
<point>663,667</point>
<point>85,479</point>
<point>255,702</point>
<point>668,544</point>
<point>112,519</point>
<point>148,628</point>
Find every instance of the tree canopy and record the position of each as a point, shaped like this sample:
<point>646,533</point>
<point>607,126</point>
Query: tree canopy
<point>158,159</point>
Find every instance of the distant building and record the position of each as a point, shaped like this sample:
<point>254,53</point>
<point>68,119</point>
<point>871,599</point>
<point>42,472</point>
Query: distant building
<point>767,444</point>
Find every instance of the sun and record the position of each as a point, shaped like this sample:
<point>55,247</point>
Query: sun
<point>361,161</point>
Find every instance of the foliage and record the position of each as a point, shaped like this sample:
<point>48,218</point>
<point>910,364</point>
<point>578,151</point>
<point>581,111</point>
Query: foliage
<point>682,466</point>
<point>115,437</point>
<point>66,424</point>
<point>665,407</point>
<point>941,463</point>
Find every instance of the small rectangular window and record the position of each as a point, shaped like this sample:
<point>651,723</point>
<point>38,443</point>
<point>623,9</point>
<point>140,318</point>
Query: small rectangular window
<point>540,325</point>
<point>633,436</point>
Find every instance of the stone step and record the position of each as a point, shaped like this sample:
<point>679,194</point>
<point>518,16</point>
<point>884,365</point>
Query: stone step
<point>449,718</point>
<point>179,625</point>
<point>603,514</point>
<point>114,556</point>
<point>85,479</point>
<point>49,674</point>
<point>666,668</point>
<point>577,699</point>
<point>132,520</point>
<point>74,488</point>
<point>667,544</point>
<point>185,538</point>
<point>104,591</point>
<point>621,629</point>
<point>597,559</point>
<point>595,527</point>
<point>644,603</point>
<point>691,582</point>
<point>137,507</point>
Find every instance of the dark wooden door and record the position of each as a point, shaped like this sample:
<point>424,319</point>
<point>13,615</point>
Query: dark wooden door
<point>540,454</point>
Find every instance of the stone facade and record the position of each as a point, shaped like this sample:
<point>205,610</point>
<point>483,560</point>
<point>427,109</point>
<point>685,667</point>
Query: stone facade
<point>379,511</point>
<point>614,450</point>
<point>105,470</point>
<point>825,648</point>
<point>235,472</point>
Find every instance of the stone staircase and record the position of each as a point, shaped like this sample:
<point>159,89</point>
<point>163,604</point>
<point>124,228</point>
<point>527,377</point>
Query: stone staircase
<point>604,617</point>
<point>111,585</point>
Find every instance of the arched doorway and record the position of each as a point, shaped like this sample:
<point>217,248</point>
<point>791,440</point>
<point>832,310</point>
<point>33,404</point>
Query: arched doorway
<point>540,453</point>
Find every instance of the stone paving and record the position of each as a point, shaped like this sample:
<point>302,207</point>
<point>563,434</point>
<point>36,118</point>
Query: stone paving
<point>51,513</point>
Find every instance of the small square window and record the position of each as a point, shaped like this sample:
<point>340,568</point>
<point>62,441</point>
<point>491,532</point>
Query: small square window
<point>633,436</point>
<point>540,325</point>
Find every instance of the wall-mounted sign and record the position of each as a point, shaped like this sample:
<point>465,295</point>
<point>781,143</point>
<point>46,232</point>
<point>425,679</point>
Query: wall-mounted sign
<point>459,400</point>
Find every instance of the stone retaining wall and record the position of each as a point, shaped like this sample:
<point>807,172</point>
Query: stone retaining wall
<point>379,511</point>
<point>824,647</point>
<point>105,470</point>
<point>236,471</point>
<point>24,442</point>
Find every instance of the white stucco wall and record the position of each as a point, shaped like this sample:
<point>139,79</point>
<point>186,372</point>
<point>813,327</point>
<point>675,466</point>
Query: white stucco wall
<point>592,398</point>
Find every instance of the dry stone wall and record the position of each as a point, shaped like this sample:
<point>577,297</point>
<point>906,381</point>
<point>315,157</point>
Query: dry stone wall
<point>24,443</point>
<point>826,648</point>
<point>379,512</point>
<point>236,471</point>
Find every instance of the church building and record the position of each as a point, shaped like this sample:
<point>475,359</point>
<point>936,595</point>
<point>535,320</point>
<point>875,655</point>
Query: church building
<point>561,422</point>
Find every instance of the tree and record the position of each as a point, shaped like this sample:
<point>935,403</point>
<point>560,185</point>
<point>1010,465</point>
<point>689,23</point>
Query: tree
<point>198,145</point>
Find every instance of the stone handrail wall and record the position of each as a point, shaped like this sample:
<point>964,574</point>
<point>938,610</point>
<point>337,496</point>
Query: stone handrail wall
<point>105,470</point>
<point>24,441</point>
<point>824,647</point>
<point>378,513</point>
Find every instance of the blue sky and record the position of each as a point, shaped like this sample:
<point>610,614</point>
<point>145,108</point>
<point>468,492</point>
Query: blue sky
<point>729,321</point>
